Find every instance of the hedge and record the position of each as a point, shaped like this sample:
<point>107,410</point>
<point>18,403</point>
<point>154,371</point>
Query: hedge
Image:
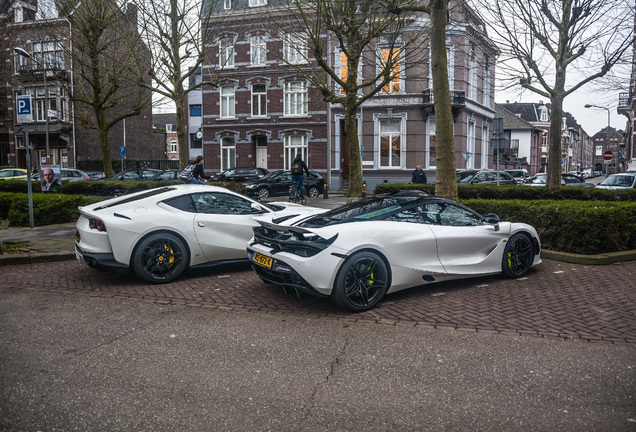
<point>49,208</point>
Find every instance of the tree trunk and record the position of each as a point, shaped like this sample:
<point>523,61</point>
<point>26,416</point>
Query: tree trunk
<point>104,144</point>
<point>446,179</point>
<point>556,132</point>
<point>355,166</point>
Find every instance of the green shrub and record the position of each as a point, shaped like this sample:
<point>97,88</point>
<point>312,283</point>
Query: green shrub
<point>48,208</point>
<point>5,203</point>
<point>583,227</point>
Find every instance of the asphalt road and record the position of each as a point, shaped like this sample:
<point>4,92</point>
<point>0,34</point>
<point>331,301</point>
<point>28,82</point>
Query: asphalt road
<point>78,362</point>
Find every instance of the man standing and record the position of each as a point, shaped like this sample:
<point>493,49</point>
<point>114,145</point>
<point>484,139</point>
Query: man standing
<point>419,176</point>
<point>297,167</point>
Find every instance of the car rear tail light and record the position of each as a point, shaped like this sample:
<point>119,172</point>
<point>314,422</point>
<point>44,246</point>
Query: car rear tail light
<point>96,224</point>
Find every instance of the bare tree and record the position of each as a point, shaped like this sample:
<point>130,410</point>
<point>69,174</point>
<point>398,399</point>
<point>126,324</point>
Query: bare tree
<point>105,80</point>
<point>543,40</point>
<point>356,28</point>
<point>175,31</point>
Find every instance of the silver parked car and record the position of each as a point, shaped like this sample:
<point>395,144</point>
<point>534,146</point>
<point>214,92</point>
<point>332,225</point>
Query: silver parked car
<point>68,174</point>
<point>619,181</point>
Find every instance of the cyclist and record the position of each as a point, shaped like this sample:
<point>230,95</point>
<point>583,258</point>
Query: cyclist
<point>297,167</point>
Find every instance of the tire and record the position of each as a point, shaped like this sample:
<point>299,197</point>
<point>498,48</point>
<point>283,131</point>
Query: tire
<point>160,258</point>
<point>263,193</point>
<point>362,281</point>
<point>518,256</point>
<point>313,192</point>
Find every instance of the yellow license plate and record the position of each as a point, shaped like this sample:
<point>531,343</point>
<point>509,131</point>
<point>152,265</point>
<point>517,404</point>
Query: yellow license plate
<point>77,236</point>
<point>262,260</point>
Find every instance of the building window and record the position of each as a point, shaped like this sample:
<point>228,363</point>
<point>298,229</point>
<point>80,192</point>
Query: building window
<point>228,153</point>
<point>544,114</point>
<point>392,56</point>
<point>227,4</point>
<point>173,146</point>
<point>472,74</point>
<point>20,61</point>
<point>195,110</point>
<point>431,144</point>
<point>227,101</point>
<point>485,135</point>
<point>195,143</point>
<point>18,17</point>
<point>50,54</point>
<point>486,82</point>
<point>258,48</point>
<point>294,49</point>
<point>470,145</point>
<point>46,9</point>
<point>295,98</point>
<point>226,52</point>
<point>293,145</point>
<point>390,143</point>
<point>259,100</point>
<point>254,3</point>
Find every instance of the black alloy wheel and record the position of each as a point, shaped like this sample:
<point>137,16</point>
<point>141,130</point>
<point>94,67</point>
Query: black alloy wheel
<point>362,281</point>
<point>518,256</point>
<point>160,258</point>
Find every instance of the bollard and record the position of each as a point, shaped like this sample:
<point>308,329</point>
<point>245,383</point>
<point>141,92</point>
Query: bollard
<point>364,189</point>
<point>325,192</point>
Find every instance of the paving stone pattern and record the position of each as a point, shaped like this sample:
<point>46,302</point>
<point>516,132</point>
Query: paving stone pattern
<point>556,300</point>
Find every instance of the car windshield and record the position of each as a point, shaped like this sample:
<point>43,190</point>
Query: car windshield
<point>615,180</point>
<point>368,209</point>
<point>538,179</point>
<point>464,175</point>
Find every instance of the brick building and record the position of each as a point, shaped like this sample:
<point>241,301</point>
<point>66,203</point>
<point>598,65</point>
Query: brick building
<point>46,73</point>
<point>265,111</point>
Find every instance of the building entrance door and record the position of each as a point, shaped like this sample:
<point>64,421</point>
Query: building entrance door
<point>261,152</point>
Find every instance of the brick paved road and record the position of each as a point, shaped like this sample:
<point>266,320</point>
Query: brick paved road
<point>593,303</point>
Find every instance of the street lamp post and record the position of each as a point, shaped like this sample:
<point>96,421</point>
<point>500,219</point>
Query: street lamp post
<point>24,53</point>
<point>608,129</point>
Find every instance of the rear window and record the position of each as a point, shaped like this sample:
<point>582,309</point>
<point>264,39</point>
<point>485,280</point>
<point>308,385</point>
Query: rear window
<point>147,194</point>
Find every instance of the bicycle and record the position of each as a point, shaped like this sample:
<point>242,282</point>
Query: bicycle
<point>294,194</point>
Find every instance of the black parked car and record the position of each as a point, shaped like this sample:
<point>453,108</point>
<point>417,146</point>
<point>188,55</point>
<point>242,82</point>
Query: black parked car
<point>277,183</point>
<point>484,177</point>
<point>240,174</point>
<point>134,174</point>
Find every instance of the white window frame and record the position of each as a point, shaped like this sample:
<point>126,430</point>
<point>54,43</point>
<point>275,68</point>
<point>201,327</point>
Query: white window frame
<point>227,101</point>
<point>295,98</point>
<point>257,3</point>
<point>294,144</point>
<point>226,52</point>
<point>259,101</point>
<point>486,90</point>
<point>470,143</point>
<point>20,61</point>
<point>173,146</point>
<point>401,134</point>
<point>485,141</point>
<point>294,48</point>
<point>472,74</point>
<point>258,50</point>
<point>228,153</point>
<point>544,114</point>
<point>227,4</point>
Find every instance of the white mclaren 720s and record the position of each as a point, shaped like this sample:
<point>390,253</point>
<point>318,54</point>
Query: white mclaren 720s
<point>357,253</point>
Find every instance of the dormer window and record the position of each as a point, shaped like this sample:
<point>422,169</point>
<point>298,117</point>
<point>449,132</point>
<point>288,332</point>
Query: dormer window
<point>544,114</point>
<point>17,14</point>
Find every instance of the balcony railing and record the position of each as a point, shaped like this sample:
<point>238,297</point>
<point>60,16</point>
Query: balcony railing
<point>458,102</point>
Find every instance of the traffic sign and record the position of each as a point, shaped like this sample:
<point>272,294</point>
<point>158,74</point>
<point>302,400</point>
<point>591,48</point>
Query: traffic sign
<point>24,109</point>
<point>608,155</point>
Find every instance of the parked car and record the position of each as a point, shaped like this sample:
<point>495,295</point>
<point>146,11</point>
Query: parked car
<point>13,174</point>
<point>95,175</point>
<point>68,174</point>
<point>484,177</point>
<point>181,226</point>
<point>358,252</point>
<point>566,180</point>
<point>520,175</point>
<point>240,174</point>
<point>167,175</point>
<point>619,181</point>
<point>277,183</point>
<point>134,175</point>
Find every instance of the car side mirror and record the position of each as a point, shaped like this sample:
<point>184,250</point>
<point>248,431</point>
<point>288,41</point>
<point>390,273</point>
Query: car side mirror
<point>257,209</point>
<point>492,219</point>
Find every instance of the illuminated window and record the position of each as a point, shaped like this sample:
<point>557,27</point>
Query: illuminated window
<point>392,56</point>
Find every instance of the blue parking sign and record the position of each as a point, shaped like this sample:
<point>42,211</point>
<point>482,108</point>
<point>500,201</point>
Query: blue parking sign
<point>24,109</point>
<point>122,151</point>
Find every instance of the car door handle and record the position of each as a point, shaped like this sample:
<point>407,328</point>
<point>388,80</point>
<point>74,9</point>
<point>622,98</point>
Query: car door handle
<point>201,224</point>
